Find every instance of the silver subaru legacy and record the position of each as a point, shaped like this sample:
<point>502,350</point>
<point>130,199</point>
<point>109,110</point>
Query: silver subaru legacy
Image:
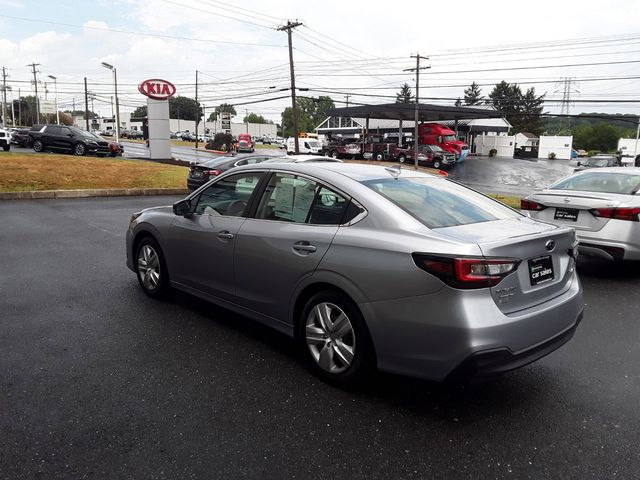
<point>367,266</point>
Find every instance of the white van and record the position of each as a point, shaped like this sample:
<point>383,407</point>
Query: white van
<point>309,146</point>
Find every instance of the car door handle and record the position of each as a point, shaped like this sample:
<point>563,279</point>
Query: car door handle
<point>225,234</point>
<point>304,247</point>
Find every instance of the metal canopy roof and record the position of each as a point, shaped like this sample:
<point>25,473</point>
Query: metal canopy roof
<point>405,111</point>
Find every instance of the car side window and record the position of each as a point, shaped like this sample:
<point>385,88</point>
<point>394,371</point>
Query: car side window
<point>228,196</point>
<point>64,131</point>
<point>290,198</point>
<point>53,130</point>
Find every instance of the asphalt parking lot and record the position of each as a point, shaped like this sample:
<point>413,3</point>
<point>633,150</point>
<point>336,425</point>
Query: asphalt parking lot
<point>99,381</point>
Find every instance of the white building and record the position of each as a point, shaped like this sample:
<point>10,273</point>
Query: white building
<point>526,139</point>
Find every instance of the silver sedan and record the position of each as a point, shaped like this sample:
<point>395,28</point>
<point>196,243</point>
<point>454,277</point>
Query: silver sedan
<point>602,205</point>
<point>368,267</point>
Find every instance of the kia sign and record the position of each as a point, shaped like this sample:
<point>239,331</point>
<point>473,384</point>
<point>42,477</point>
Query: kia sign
<point>157,89</point>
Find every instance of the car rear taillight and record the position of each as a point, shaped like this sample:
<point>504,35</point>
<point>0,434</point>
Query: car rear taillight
<point>623,213</point>
<point>531,205</point>
<point>212,173</point>
<point>467,272</point>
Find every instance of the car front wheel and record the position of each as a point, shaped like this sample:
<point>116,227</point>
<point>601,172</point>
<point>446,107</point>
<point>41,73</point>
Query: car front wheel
<point>335,339</point>
<point>151,268</point>
<point>436,164</point>
<point>37,146</point>
<point>80,149</point>
<point>402,159</point>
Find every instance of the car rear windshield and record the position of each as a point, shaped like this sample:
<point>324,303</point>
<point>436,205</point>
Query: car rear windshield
<point>440,203</point>
<point>604,182</point>
<point>215,162</point>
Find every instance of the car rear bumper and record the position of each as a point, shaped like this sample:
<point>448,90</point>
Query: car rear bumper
<point>611,243</point>
<point>431,336</point>
<point>195,183</point>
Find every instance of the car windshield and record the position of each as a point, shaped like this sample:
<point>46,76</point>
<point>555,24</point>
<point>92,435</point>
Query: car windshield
<point>435,148</point>
<point>440,203</point>
<point>604,182</point>
<point>313,143</point>
<point>596,162</point>
<point>83,133</point>
<point>449,138</point>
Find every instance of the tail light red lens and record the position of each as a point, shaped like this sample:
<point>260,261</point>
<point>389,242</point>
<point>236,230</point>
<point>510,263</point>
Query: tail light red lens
<point>628,214</point>
<point>531,205</point>
<point>466,272</point>
<point>212,173</point>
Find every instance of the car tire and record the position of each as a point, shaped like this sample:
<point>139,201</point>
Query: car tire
<point>38,146</point>
<point>80,149</point>
<point>151,268</point>
<point>6,148</point>
<point>379,157</point>
<point>436,164</point>
<point>334,154</point>
<point>402,159</point>
<point>339,350</point>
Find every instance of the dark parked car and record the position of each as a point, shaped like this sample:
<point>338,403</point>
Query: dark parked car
<point>68,139</point>
<point>437,157</point>
<point>20,137</point>
<point>201,173</point>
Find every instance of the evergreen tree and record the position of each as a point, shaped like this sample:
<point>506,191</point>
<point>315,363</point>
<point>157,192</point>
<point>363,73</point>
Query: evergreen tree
<point>522,111</point>
<point>473,95</point>
<point>404,95</point>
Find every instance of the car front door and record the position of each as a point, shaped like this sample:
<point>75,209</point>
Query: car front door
<point>65,139</point>
<point>293,226</point>
<point>50,137</point>
<point>202,244</point>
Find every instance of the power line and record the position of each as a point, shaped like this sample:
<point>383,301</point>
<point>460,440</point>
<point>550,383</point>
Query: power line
<point>216,14</point>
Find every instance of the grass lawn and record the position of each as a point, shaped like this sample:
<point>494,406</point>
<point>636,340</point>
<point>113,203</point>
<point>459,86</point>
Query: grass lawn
<point>20,172</point>
<point>512,201</point>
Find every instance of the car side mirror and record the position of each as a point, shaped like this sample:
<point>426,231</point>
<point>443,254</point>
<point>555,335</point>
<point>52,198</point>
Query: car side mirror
<point>183,208</point>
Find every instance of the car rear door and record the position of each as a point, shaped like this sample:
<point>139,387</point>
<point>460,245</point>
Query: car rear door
<point>293,226</point>
<point>50,137</point>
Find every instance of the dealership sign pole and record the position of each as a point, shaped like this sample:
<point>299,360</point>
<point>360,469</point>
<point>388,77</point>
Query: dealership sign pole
<point>158,93</point>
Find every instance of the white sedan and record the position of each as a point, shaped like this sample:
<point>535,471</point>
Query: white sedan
<point>602,205</point>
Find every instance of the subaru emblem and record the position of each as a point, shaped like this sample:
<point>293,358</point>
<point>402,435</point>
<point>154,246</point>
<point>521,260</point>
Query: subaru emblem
<point>550,245</point>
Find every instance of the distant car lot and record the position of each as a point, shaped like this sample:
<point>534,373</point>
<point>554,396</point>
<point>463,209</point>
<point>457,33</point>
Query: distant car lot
<point>97,380</point>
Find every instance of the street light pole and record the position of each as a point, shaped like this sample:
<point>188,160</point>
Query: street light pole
<point>115,86</point>
<point>55,88</point>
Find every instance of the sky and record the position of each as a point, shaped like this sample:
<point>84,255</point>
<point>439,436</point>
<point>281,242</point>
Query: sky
<point>354,48</point>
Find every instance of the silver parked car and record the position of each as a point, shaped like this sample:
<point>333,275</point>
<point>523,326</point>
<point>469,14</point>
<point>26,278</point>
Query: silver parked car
<point>603,205</point>
<point>368,267</point>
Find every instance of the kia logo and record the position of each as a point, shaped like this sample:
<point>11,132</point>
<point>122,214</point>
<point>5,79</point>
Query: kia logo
<point>157,89</point>
<point>550,245</point>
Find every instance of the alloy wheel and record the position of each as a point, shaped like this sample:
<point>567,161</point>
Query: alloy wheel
<point>330,337</point>
<point>149,267</point>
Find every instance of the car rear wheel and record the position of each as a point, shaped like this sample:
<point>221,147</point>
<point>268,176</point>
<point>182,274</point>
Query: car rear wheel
<point>436,164</point>
<point>151,268</point>
<point>37,146</point>
<point>6,148</point>
<point>334,154</point>
<point>334,339</point>
<point>80,149</point>
<point>379,156</point>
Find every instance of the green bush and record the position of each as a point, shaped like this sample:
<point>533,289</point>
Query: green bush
<point>493,152</point>
<point>551,155</point>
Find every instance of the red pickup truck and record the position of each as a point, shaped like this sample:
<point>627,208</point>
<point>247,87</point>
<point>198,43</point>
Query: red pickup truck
<point>245,144</point>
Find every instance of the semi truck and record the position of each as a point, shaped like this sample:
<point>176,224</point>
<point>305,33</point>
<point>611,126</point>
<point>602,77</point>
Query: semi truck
<point>444,137</point>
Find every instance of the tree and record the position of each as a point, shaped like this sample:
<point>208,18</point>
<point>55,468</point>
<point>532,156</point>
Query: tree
<point>602,137</point>
<point>140,112</point>
<point>523,112</point>
<point>311,112</point>
<point>404,95</point>
<point>184,108</point>
<point>225,107</point>
<point>254,118</point>
<point>473,95</point>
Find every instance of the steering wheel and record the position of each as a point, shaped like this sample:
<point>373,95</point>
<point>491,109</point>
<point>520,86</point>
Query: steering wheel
<point>236,208</point>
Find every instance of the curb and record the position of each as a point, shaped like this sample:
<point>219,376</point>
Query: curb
<point>105,192</point>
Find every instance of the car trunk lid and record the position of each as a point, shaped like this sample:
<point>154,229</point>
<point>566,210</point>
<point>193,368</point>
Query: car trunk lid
<point>576,209</point>
<point>545,253</point>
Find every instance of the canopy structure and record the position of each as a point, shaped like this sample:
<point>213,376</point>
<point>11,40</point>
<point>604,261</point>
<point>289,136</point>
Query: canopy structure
<point>406,111</point>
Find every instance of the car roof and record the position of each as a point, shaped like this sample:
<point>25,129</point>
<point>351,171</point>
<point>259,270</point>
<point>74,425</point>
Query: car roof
<point>627,170</point>
<point>355,171</point>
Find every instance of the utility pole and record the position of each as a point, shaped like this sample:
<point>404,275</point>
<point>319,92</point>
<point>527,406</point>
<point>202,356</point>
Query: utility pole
<point>348,100</point>
<point>197,110</point>
<point>246,118</point>
<point>288,27</point>
<point>4,95</point>
<point>19,109</point>
<point>416,142</point>
<point>35,85</point>
<point>86,105</point>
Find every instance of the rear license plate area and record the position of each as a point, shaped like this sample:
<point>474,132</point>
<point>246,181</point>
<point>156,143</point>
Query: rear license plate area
<point>541,270</point>
<point>569,214</point>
